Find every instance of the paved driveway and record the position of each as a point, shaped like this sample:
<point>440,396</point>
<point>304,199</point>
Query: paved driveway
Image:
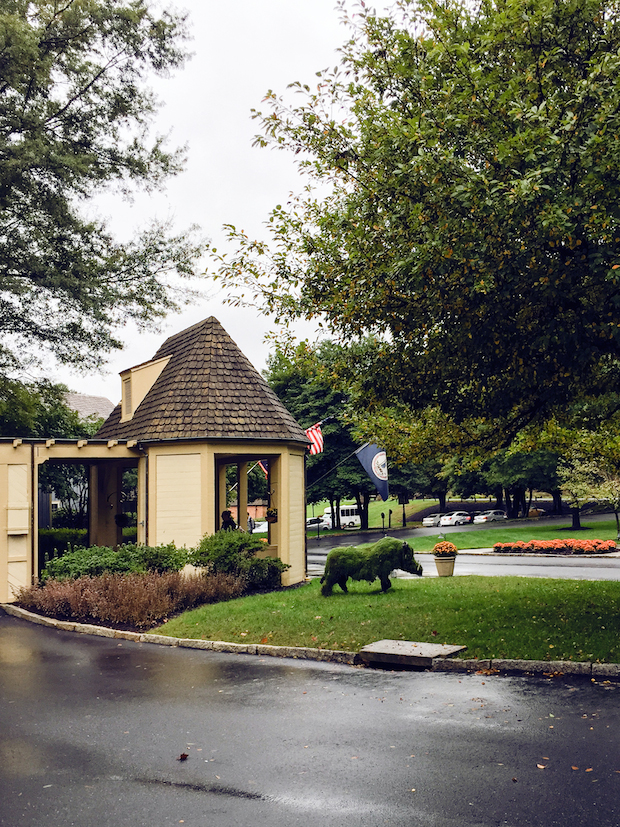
<point>91,730</point>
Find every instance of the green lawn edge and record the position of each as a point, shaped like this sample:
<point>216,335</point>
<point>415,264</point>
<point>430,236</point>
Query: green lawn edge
<point>487,537</point>
<point>495,617</point>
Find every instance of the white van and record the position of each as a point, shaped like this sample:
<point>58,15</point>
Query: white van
<point>349,517</point>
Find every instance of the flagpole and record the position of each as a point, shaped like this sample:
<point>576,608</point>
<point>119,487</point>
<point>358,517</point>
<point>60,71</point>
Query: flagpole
<point>334,468</point>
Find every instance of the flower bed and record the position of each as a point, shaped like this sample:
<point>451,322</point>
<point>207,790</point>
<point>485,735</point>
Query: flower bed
<point>568,546</point>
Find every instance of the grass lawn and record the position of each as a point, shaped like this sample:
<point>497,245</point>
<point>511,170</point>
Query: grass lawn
<point>485,538</point>
<point>375,509</point>
<point>495,617</point>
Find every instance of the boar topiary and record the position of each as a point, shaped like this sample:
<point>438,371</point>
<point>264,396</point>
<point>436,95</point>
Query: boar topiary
<point>368,564</point>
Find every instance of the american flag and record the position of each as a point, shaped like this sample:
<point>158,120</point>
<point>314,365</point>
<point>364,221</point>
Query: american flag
<point>316,438</point>
<point>262,464</point>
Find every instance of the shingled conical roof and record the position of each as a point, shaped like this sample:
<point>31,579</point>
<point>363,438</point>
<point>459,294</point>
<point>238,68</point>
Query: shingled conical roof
<point>208,390</point>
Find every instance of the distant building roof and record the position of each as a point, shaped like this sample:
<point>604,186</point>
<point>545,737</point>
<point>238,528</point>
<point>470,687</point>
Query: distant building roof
<point>98,406</point>
<point>209,390</point>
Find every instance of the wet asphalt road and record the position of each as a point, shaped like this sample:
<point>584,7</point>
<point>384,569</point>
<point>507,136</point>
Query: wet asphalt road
<point>91,730</point>
<point>573,568</point>
<point>566,568</point>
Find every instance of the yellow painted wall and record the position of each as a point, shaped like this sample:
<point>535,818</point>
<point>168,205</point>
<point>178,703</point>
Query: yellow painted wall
<point>137,382</point>
<point>199,500</point>
<point>15,520</point>
<point>296,522</point>
<point>178,496</point>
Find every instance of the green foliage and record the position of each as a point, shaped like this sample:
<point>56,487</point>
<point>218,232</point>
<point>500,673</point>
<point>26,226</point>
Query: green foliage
<point>162,558</point>
<point>73,122</point>
<point>129,557</point>
<point>233,552</point>
<point>257,484</point>
<point>39,409</point>
<point>368,564</point>
<point>54,542</point>
<point>304,379</point>
<point>510,533</point>
<point>467,216</point>
<point>495,617</point>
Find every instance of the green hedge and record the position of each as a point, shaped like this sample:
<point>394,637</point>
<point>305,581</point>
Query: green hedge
<point>129,557</point>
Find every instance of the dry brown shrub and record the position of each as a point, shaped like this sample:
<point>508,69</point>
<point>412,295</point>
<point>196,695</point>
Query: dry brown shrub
<point>138,600</point>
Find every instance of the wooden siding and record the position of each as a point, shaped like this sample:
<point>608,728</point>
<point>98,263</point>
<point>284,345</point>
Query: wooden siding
<point>178,515</point>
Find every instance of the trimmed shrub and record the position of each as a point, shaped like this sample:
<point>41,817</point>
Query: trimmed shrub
<point>567,546</point>
<point>162,558</point>
<point>129,557</point>
<point>233,552</point>
<point>138,600</point>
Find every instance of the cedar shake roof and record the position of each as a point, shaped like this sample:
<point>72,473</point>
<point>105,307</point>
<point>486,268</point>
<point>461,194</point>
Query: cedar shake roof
<point>208,390</point>
<point>99,406</point>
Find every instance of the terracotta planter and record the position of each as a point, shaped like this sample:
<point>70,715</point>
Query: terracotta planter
<point>445,566</point>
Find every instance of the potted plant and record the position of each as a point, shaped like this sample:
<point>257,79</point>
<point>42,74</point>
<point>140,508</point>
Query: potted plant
<point>272,515</point>
<point>445,554</point>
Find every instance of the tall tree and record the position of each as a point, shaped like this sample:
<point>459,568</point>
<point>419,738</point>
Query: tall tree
<point>39,409</point>
<point>303,378</point>
<point>467,215</point>
<point>74,117</point>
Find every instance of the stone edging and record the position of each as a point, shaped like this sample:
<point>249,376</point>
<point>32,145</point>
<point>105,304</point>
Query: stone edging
<point>163,640</point>
<point>594,671</point>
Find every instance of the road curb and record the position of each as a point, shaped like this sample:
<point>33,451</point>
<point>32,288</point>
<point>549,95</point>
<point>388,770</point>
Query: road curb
<point>558,668</point>
<point>301,652</point>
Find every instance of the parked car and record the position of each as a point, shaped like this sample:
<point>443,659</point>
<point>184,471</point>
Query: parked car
<point>455,518</point>
<point>432,520</point>
<point>490,516</point>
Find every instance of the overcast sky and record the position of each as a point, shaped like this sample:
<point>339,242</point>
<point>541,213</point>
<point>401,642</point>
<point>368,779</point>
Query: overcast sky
<point>242,48</point>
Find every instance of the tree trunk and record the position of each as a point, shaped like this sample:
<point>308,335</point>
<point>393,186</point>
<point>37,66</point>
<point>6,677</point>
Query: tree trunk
<point>442,500</point>
<point>576,518</point>
<point>512,504</point>
<point>362,506</point>
<point>557,502</point>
